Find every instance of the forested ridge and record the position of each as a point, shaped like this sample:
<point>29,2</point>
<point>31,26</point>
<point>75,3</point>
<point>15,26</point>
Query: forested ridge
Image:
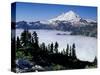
<point>47,56</point>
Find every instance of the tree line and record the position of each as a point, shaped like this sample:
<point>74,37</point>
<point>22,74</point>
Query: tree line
<point>28,46</point>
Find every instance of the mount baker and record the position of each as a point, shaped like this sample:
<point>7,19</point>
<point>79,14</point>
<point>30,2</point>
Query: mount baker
<point>69,21</point>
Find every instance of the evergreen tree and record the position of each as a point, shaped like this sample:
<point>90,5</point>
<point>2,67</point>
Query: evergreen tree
<point>25,38</point>
<point>56,47</point>
<point>32,42</point>
<point>18,43</point>
<point>67,49</point>
<point>35,37</point>
<point>51,49</point>
<point>73,51</point>
<point>46,48</point>
<point>42,46</point>
<point>36,49</point>
<point>35,40</point>
<point>70,51</point>
<point>95,62</point>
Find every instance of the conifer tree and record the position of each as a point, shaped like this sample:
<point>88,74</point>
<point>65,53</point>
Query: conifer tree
<point>42,46</point>
<point>51,49</point>
<point>73,51</point>
<point>70,51</point>
<point>18,43</point>
<point>25,38</point>
<point>35,39</point>
<point>95,61</point>
<point>67,49</point>
<point>56,47</point>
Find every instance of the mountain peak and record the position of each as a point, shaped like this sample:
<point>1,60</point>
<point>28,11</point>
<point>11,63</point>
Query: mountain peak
<point>70,12</point>
<point>68,16</point>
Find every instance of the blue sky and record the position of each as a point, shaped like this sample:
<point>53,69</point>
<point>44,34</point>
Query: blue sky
<point>34,11</point>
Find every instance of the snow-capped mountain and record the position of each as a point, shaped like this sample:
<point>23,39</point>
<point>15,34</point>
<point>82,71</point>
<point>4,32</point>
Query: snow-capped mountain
<point>71,17</point>
<point>63,21</point>
<point>69,21</point>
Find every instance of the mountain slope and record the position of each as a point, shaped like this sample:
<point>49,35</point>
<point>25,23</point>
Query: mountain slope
<point>71,17</point>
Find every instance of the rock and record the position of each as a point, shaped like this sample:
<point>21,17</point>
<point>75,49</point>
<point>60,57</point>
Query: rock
<point>38,68</point>
<point>23,64</point>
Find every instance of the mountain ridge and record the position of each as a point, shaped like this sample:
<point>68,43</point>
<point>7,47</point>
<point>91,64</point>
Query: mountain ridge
<point>69,21</point>
<point>71,17</point>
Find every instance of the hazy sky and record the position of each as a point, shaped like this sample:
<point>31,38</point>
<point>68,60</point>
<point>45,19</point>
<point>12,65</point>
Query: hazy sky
<point>35,11</point>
